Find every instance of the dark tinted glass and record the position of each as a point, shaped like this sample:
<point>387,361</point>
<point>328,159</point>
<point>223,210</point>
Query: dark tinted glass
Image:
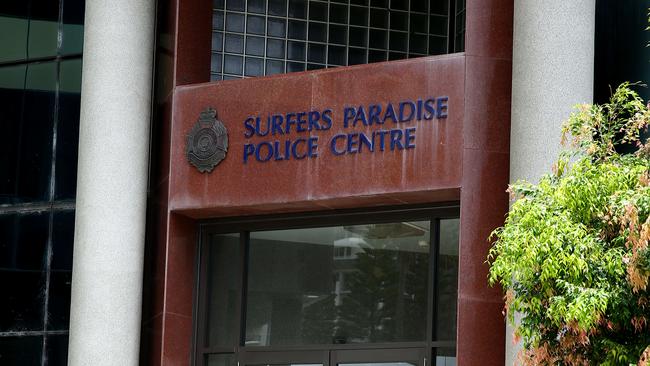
<point>447,278</point>
<point>219,360</point>
<point>23,241</point>
<point>222,290</point>
<point>57,350</point>
<point>347,284</point>
<point>22,302</point>
<point>21,350</point>
<point>62,240</point>
<point>59,300</point>
<point>68,129</point>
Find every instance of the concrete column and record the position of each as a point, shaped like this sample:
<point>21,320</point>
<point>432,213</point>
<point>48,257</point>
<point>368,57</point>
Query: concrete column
<point>112,182</point>
<point>553,69</point>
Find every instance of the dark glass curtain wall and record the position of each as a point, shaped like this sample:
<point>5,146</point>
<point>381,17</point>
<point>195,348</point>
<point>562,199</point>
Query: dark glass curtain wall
<point>40,82</point>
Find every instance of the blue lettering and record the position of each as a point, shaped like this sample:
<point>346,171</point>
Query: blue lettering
<point>381,134</point>
<point>390,113</point>
<point>396,139</point>
<point>313,118</point>
<point>333,144</point>
<point>361,116</point>
<point>294,149</point>
<point>276,124</point>
<point>327,118</point>
<point>402,117</point>
<point>352,142</point>
<point>248,125</point>
<point>300,127</point>
<point>409,137</point>
<point>442,107</point>
<point>348,113</point>
<point>258,127</point>
<point>289,122</point>
<point>248,150</point>
<point>259,148</point>
<point>429,109</point>
<point>312,147</point>
<point>374,110</point>
<point>276,151</point>
<point>364,140</point>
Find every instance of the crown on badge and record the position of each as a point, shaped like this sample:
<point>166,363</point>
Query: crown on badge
<point>208,114</point>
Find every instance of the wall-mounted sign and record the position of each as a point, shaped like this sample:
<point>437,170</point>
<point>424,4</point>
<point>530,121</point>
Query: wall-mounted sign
<point>207,142</point>
<point>295,135</point>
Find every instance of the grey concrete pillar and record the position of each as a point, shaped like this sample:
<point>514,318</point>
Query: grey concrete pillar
<point>553,69</point>
<point>112,182</point>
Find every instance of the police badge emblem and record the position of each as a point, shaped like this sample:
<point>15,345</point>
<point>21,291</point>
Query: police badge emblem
<point>207,142</point>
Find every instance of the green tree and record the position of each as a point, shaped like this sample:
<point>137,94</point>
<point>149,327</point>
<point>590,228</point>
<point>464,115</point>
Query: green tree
<point>572,256</point>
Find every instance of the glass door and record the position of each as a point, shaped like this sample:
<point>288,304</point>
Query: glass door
<point>379,357</point>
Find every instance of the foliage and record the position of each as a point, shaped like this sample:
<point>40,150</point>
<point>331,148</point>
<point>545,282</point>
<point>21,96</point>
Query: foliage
<point>573,254</point>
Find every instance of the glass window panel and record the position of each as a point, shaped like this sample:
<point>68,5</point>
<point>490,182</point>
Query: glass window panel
<point>13,36</point>
<point>297,29</point>
<point>447,278</point>
<point>378,38</point>
<point>220,360</point>
<point>315,66</point>
<point>215,77</point>
<point>222,286</point>
<point>317,32</point>
<point>445,357</point>
<point>21,308</point>
<point>439,6</point>
<point>215,62</point>
<point>399,20</point>
<point>234,43</point>
<point>345,284</point>
<point>419,23</point>
<point>217,4</point>
<point>419,5</point>
<point>296,51</point>
<point>237,5</point>
<point>278,7</point>
<point>257,6</point>
<point>231,77</point>
<point>57,350</point>
<point>399,4</point>
<point>338,34</point>
<point>255,46</point>
<point>376,56</point>
<point>295,66</point>
<point>277,27</point>
<point>356,56</point>
<point>35,144</point>
<point>275,48</point>
<point>254,66</point>
<point>396,56</point>
<point>73,33</point>
<point>359,36</point>
<point>437,45</point>
<point>217,20</point>
<point>43,37</point>
<point>298,9</point>
<point>23,240</point>
<point>62,240</point>
<point>233,65</point>
<point>316,53</point>
<point>59,300</point>
<point>274,67</point>
<point>378,18</point>
<point>398,41</point>
<point>235,22</point>
<point>338,13</point>
<point>217,41</point>
<point>418,43</point>
<point>336,55</point>
<point>358,16</point>
<point>318,11</point>
<point>68,129</point>
<point>255,24</point>
<point>12,82</point>
<point>24,350</point>
<point>379,3</point>
<point>438,25</point>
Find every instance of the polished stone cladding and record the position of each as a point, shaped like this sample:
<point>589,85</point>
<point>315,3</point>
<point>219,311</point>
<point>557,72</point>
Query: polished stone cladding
<point>381,157</point>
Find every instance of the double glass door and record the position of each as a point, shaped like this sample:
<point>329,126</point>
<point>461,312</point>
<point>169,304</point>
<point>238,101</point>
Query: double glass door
<point>358,289</point>
<point>357,357</point>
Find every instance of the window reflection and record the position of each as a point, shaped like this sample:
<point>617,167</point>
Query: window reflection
<point>337,285</point>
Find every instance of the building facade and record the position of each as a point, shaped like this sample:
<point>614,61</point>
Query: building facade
<point>279,182</point>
